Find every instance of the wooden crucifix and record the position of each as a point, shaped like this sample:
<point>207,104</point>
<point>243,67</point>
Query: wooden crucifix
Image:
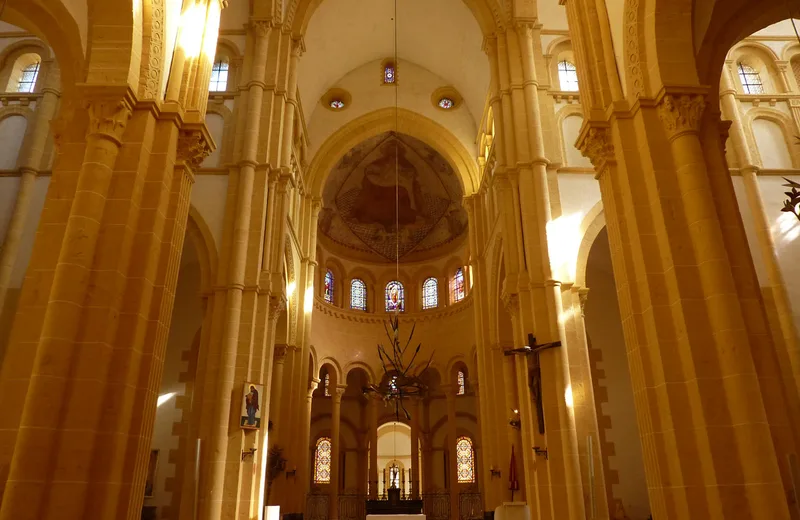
<point>533,349</point>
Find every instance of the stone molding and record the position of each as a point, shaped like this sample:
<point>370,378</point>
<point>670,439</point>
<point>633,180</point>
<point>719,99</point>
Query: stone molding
<point>681,113</point>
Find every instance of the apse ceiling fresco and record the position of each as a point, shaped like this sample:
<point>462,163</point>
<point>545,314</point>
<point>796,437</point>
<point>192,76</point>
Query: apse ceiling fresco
<point>359,209</point>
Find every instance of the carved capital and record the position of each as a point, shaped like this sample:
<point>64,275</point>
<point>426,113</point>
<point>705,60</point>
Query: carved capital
<point>193,148</point>
<point>596,145</point>
<point>298,47</point>
<point>338,392</point>
<point>277,305</point>
<point>279,355</point>
<point>511,303</point>
<point>681,113</point>
<point>524,28</point>
<point>490,45</point>
<point>108,116</point>
<point>261,27</point>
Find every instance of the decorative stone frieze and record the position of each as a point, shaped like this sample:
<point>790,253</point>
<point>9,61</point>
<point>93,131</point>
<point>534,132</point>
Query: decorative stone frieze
<point>681,113</point>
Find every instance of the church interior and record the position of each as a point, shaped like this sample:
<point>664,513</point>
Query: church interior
<point>399,259</point>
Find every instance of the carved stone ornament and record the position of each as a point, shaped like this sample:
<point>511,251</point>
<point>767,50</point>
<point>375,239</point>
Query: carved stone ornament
<point>597,147</point>
<point>108,117</point>
<point>279,355</point>
<point>681,114</point>
<point>511,303</point>
<point>277,306</point>
<point>192,148</point>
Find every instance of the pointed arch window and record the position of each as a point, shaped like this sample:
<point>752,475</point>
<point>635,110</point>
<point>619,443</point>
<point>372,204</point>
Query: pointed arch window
<point>430,294</point>
<point>459,288</point>
<point>461,381</point>
<point>465,460</point>
<point>27,79</point>
<point>567,76</point>
<point>322,461</point>
<point>219,76</point>
<point>751,79</point>
<point>329,286</point>
<point>395,297</point>
<point>358,294</point>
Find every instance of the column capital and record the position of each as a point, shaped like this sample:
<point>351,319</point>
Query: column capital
<point>279,354</point>
<point>109,111</point>
<point>595,143</point>
<point>277,304</point>
<point>681,113</point>
<point>489,45</point>
<point>338,392</point>
<point>262,27</point>
<point>298,47</point>
<point>511,303</point>
<point>193,147</point>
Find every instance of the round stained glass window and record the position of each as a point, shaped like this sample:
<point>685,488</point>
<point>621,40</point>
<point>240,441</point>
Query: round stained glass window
<point>337,104</point>
<point>446,103</point>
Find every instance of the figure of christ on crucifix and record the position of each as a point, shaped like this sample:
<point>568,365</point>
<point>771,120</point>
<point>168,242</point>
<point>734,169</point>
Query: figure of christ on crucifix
<point>535,373</point>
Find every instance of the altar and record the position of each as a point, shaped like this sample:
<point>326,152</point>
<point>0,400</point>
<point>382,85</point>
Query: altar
<point>394,508</point>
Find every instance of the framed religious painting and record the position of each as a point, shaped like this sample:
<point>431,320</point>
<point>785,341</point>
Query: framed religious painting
<point>251,406</point>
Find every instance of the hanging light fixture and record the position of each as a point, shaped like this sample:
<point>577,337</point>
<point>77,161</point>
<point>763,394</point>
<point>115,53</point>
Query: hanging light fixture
<point>401,380</point>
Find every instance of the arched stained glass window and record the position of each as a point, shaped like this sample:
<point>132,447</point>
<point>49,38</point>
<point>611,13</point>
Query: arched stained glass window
<point>329,286</point>
<point>389,73</point>
<point>326,385</point>
<point>465,460</point>
<point>394,476</point>
<point>358,294</point>
<point>322,461</point>
<point>459,289</point>
<point>219,76</point>
<point>430,294</point>
<point>567,76</point>
<point>27,80</point>
<point>395,298</point>
<point>751,79</point>
<point>462,384</point>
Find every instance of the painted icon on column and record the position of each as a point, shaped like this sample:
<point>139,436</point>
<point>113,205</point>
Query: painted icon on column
<point>251,406</point>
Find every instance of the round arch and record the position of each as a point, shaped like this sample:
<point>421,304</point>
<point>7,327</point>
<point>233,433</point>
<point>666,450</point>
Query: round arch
<point>383,120</point>
<point>593,223</point>
<point>199,234</point>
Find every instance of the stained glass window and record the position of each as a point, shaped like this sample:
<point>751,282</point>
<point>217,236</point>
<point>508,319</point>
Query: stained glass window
<point>395,298</point>
<point>326,385</point>
<point>27,81</point>
<point>358,295</point>
<point>446,103</point>
<point>337,104</point>
<point>430,294</point>
<point>459,289</point>
<point>389,73</point>
<point>751,79</point>
<point>465,458</point>
<point>329,286</point>
<point>219,76</point>
<point>322,461</point>
<point>567,76</point>
<point>461,382</point>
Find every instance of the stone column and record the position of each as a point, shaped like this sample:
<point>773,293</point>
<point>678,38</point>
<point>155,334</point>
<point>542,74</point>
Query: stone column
<point>452,435</point>
<point>415,408</point>
<point>336,416</point>
<point>30,166</point>
<point>373,449</point>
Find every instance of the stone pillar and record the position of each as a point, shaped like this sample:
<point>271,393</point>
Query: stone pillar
<point>452,435</point>
<point>415,408</point>
<point>373,449</point>
<point>30,166</point>
<point>336,470</point>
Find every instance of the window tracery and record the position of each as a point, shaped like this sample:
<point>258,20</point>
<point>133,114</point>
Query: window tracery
<point>395,298</point>
<point>358,294</point>
<point>459,289</point>
<point>465,460</point>
<point>430,294</point>
<point>329,286</point>
<point>751,79</point>
<point>567,76</point>
<point>322,461</point>
<point>219,76</point>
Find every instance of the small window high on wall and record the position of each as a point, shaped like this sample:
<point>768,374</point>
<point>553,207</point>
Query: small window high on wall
<point>459,288</point>
<point>430,294</point>
<point>389,73</point>
<point>322,461</point>
<point>567,76</point>
<point>329,286</point>
<point>219,76</point>
<point>465,460</point>
<point>24,73</point>
<point>395,299</point>
<point>751,79</point>
<point>358,295</point>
